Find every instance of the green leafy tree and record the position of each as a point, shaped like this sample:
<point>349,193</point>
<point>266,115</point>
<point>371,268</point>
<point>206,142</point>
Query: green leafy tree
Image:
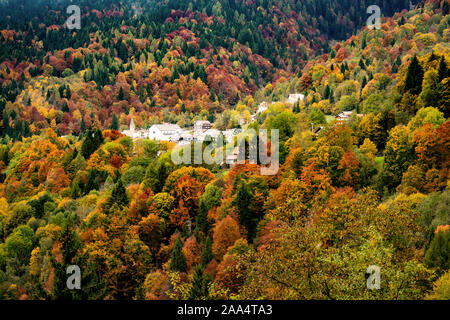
<point>438,254</point>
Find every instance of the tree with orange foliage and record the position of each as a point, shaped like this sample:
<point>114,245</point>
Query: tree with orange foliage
<point>433,145</point>
<point>349,167</point>
<point>57,180</point>
<point>316,183</point>
<point>200,174</point>
<point>151,230</point>
<point>188,190</point>
<point>192,252</point>
<point>226,232</point>
<point>139,207</point>
<point>231,272</point>
<point>179,216</point>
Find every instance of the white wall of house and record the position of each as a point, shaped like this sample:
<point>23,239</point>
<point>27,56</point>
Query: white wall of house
<point>164,132</point>
<point>295,97</point>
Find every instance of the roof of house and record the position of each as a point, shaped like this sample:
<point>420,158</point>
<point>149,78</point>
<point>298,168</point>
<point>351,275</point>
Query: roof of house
<point>202,122</point>
<point>213,132</point>
<point>167,127</point>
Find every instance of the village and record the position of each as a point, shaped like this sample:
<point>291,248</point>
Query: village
<point>203,129</point>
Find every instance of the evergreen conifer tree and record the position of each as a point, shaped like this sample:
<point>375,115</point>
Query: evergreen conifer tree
<point>414,77</point>
<point>178,261</point>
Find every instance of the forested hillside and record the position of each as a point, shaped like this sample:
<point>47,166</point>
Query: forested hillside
<point>161,60</point>
<point>368,189</point>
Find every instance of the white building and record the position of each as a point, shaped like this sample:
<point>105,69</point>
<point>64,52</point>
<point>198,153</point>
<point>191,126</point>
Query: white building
<point>230,134</point>
<point>135,134</point>
<point>165,132</point>
<point>213,133</point>
<point>173,133</point>
<point>295,97</point>
<point>263,106</point>
<point>345,115</point>
<point>202,125</point>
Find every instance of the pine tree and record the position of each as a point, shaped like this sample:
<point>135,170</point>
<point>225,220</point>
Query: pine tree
<point>97,139</point>
<point>123,52</point>
<point>242,203</point>
<point>331,97</point>
<point>121,95</point>
<point>82,125</point>
<point>119,195</point>
<point>443,70</point>
<point>296,108</point>
<point>70,244</point>
<point>438,254</point>
<point>207,254</point>
<point>178,261</point>
<point>364,83</point>
<point>87,145</point>
<point>65,107</point>
<point>200,284</point>
<point>201,220</point>
<point>92,182</point>
<point>414,77</point>
<point>445,8</point>
<point>361,64</point>
<point>327,92</point>
<point>115,122</point>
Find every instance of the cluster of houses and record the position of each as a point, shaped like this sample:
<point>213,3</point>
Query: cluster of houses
<point>174,133</point>
<point>292,99</point>
<point>202,130</point>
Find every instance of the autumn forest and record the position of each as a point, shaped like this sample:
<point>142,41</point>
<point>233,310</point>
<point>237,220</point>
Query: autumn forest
<point>364,140</point>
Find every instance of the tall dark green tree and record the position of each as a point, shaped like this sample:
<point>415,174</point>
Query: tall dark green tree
<point>91,143</point>
<point>242,203</point>
<point>70,243</point>
<point>92,181</point>
<point>327,92</point>
<point>438,254</point>
<point>201,220</point>
<point>200,284</point>
<point>178,260</point>
<point>82,125</point>
<point>123,51</point>
<point>445,8</point>
<point>414,77</point>
<point>121,95</point>
<point>115,122</point>
<point>207,253</point>
<point>443,69</point>
<point>119,194</point>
